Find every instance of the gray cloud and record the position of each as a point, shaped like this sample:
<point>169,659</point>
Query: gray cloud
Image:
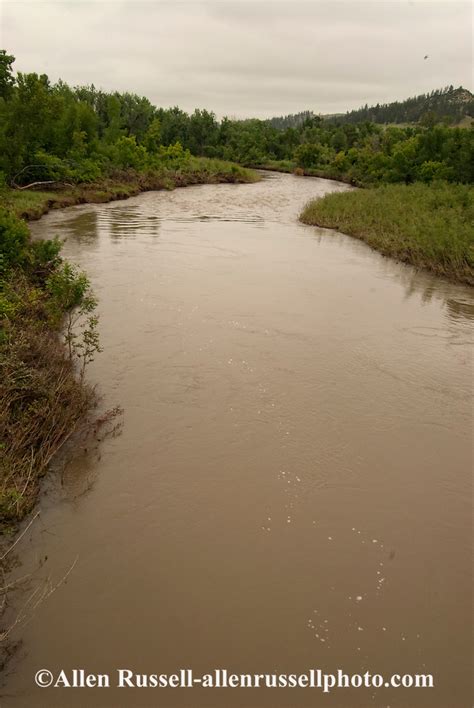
<point>246,58</point>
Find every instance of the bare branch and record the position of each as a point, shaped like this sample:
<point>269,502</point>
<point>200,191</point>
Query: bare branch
<point>20,536</point>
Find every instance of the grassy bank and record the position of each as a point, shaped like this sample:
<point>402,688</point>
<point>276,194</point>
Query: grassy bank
<point>120,184</point>
<point>428,226</point>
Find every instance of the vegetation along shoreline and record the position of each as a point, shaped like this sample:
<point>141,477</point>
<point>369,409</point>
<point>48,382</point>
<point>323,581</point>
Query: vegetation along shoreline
<point>31,204</point>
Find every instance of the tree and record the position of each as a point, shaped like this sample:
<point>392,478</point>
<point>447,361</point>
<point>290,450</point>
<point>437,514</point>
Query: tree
<point>174,126</point>
<point>127,153</point>
<point>152,136</point>
<point>307,155</point>
<point>339,140</point>
<point>7,80</point>
<point>136,114</point>
<point>202,131</point>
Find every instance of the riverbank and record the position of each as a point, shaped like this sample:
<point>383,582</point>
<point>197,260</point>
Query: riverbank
<point>43,394</point>
<point>121,184</point>
<point>427,226</point>
<point>290,167</point>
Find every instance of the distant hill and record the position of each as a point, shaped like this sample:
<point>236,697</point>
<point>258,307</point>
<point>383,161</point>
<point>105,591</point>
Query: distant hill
<point>456,106</point>
<point>450,104</point>
<point>293,120</point>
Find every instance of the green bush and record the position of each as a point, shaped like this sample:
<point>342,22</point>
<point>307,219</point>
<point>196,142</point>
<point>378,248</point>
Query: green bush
<point>45,254</point>
<point>127,154</point>
<point>67,288</point>
<point>14,237</point>
<point>307,155</point>
<point>85,170</point>
<point>434,170</point>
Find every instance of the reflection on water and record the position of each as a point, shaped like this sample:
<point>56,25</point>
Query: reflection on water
<point>292,486</point>
<point>460,309</point>
<point>118,222</point>
<point>458,301</point>
<point>81,226</point>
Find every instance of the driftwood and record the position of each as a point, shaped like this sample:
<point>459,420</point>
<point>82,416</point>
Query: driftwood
<point>35,184</point>
<point>58,182</point>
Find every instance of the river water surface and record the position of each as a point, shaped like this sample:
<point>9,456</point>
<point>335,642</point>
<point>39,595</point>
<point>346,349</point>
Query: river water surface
<point>291,489</point>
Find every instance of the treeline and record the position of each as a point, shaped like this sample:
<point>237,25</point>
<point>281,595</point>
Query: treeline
<point>448,105</point>
<point>54,132</point>
<point>366,153</point>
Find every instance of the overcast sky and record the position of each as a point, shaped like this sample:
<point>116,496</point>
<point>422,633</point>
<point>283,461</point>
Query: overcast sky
<point>245,57</point>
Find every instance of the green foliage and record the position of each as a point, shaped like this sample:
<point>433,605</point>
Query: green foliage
<point>70,295</point>
<point>173,153</point>
<point>339,140</point>
<point>37,287</point>
<point>9,305</point>
<point>67,289</point>
<point>152,136</point>
<point>127,154</point>
<point>433,170</point>
<point>202,132</point>
<point>48,167</point>
<point>307,155</point>
<point>85,170</point>
<point>7,80</point>
<point>14,237</point>
<point>59,286</point>
<point>46,254</point>
<point>447,104</point>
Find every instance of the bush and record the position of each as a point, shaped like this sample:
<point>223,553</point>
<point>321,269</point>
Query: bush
<point>14,237</point>
<point>434,170</point>
<point>42,389</point>
<point>307,155</point>
<point>127,154</point>
<point>85,170</point>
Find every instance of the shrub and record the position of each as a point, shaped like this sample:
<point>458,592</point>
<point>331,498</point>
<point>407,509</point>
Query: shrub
<point>307,155</point>
<point>434,170</point>
<point>126,153</point>
<point>14,238</point>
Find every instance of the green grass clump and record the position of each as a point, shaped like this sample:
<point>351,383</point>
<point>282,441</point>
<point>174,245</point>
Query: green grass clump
<point>428,226</point>
<point>278,165</point>
<point>26,201</point>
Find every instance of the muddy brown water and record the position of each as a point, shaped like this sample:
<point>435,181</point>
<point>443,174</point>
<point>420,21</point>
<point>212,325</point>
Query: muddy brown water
<point>292,486</point>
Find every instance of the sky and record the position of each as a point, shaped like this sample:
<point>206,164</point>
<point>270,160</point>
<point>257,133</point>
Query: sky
<point>246,58</point>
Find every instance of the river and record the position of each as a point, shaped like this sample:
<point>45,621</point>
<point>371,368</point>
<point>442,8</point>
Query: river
<point>291,489</point>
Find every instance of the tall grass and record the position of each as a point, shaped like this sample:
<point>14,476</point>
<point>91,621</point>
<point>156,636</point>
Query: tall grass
<point>429,226</point>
